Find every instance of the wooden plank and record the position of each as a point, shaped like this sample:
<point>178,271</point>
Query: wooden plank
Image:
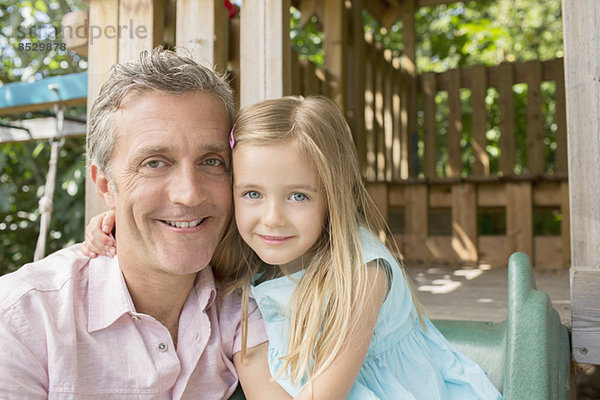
<point>464,221</point>
<point>396,196</point>
<point>39,129</point>
<point>535,127</point>
<point>396,124</point>
<point>334,23</point>
<point>493,250</point>
<point>440,249</point>
<point>102,54</point>
<point>454,165</point>
<point>585,313</point>
<point>234,57</point>
<point>388,124</point>
<point>582,63</point>
<point>355,103</point>
<point>296,76</point>
<point>547,194</point>
<point>440,196</point>
<point>379,127</point>
<point>481,165</point>
<point>203,29</point>
<point>144,31</point>
<point>409,39</point>
<point>429,125</point>
<point>379,194</point>
<point>416,221</point>
<point>561,124</point>
<point>565,224</point>
<point>404,90</point>
<point>548,252</point>
<point>491,195</point>
<point>506,108</point>
<point>310,82</point>
<point>370,133</point>
<point>519,218</point>
<point>265,50</point>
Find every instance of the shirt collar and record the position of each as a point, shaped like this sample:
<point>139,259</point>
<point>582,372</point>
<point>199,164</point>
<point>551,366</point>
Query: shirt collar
<point>205,288</point>
<point>109,297</point>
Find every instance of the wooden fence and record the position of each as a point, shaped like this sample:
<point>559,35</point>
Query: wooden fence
<point>438,185</point>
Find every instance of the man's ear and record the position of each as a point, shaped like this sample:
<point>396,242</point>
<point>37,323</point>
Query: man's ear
<point>103,187</point>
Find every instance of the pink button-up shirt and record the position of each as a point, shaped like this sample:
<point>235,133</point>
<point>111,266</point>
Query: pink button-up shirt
<point>69,330</point>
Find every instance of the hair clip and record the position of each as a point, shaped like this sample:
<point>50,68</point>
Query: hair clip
<point>231,139</point>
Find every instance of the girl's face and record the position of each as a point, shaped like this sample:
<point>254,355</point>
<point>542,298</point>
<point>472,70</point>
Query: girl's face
<point>280,206</point>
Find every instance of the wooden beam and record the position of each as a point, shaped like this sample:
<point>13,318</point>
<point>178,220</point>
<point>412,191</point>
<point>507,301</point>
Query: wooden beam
<point>334,46</point>
<point>265,50</point>
<point>39,129</point>
<point>582,83</point>
<point>144,30</point>
<point>203,29</point>
<point>102,54</point>
<point>355,100</point>
<point>409,65</point>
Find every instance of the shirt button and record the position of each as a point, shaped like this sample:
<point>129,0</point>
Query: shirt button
<point>135,318</point>
<point>162,347</point>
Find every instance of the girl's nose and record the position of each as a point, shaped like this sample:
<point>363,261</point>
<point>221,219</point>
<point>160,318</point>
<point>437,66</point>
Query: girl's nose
<point>272,214</point>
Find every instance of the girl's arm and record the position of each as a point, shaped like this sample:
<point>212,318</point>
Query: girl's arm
<point>337,380</point>
<point>97,236</point>
<point>255,377</point>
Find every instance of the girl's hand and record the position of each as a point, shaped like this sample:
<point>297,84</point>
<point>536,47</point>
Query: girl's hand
<point>97,236</point>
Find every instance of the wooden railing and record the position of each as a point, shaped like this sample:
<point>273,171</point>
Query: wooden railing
<point>438,184</point>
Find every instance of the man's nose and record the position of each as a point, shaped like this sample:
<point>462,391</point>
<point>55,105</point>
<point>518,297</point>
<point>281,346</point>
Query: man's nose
<point>186,186</point>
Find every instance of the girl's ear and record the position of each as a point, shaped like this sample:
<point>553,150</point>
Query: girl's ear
<point>103,187</point>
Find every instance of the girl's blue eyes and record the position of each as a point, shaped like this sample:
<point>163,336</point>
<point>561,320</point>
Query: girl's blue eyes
<point>253,195</point>
<point>299,197</point>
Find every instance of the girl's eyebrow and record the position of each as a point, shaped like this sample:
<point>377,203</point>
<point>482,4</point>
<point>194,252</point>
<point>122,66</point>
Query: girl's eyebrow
<point>307,188</point>
<point>303,187</point>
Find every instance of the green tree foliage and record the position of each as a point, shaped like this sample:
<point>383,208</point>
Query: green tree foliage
<point>24,166</point>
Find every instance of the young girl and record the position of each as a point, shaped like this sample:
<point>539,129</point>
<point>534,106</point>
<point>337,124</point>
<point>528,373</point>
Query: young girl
<point>340,315</point>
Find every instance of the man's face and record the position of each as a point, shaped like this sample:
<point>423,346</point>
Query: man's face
<point>170,167</point>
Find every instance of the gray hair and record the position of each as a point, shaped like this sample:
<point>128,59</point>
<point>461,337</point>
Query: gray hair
<point>161,70</point>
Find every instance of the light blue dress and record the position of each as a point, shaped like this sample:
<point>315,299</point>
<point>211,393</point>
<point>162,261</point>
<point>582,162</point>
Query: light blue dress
<point>404,361</point>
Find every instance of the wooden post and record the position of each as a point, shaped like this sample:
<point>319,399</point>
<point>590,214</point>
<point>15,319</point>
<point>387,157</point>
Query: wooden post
<point>102,53</point>
<point>464,221</point>
<point>506,108</point>
<point>429,80</point>
<point>355,101</point>
<point>202,29</point>
<point>409,65</point>
<point>265,50</point>
<point>479,124</point>
<point>454,166</point>
<point>582,82</point>
<point>519,217</point>
<point>535,134</point>
<point>334,46</point>
<point>119,31</point>
<point>144,19</point>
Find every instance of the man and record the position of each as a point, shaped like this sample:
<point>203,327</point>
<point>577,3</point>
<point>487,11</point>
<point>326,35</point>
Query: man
<point>148,324</point>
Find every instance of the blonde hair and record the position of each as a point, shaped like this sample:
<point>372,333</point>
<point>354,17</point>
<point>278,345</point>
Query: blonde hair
<point>335,271</point>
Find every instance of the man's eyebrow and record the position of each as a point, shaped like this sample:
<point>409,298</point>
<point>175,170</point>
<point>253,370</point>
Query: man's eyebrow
<point>215,147</point>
